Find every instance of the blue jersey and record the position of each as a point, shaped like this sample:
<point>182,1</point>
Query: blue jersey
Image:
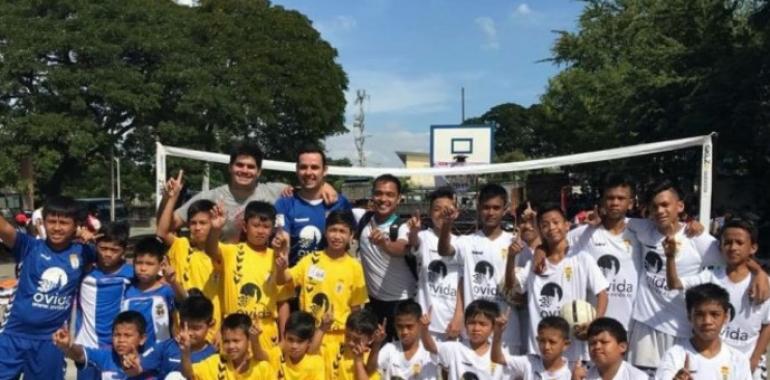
<point>166,357</point>
<point>108,362</point>
<point>98,305</point>
<point>47,284</point>
<point>305,221</point>
<point>156,306</point>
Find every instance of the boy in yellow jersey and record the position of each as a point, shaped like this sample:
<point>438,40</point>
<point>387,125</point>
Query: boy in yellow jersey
<point>234,362</point>
<point>194,269</point>
<point>248,285</point>
<point>297,357</point>
<point>330,280</point>
<point>349,360</point>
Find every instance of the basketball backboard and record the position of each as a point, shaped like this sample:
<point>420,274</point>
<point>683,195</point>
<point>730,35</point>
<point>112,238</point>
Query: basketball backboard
<point>451,144</point>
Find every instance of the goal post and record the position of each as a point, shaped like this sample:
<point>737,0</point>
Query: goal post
<point>704,189</point>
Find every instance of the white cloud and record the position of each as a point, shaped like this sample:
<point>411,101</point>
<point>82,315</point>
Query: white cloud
<point>523,9</point>
<point>380,147</point>
<point>392,92</point>
<point>487,26</point>
<point>333,29</point>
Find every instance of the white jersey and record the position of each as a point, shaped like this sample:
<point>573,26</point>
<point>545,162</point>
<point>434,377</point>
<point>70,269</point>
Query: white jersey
<point>462,362</point>
<point>657,306</point>
<point>574,278</point>
<point>746,318</point>
<point>483,263</point>
<point>437,284</point>
<point>620,259</point>
<point>625,372</point>
<point>378,264</point>
<point>728,364</point>
<point>393,364</point>
<point>530,367</point>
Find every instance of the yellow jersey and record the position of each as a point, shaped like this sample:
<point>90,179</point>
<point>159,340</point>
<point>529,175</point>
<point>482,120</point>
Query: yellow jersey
<point>340,363</point>
<point>330,283</point>
<point>311,367</point>
<point>215,367</point>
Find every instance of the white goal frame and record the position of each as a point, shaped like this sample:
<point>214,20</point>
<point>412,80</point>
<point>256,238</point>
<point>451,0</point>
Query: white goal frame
<point>705,142</point>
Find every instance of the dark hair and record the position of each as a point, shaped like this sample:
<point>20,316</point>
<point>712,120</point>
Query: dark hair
<point>312,149</point>
<point>408,308</point>
<point>614,180</point>
<point>492,190</point>
<point>664,185</point>
<point>341,217</point>
<point>704,293</point>
<point>201,205</point>
<point>247,149</point>
<point>259,209</point>
<point>441,192</point>
<point>117,233</point>
<point>387,178</point>
<point>362,321</point>
<point>556,323</point>
<point>131,317</point>
<point>744,224</point>
<point>300,324</point>
<point>609,325</point>
<point>485,308</point>
<point>555,209</point>
<point>196,307</point>
<point>64,207</point>
<point>152,246</point>
<point>237,321</point>
<point>523,206</point>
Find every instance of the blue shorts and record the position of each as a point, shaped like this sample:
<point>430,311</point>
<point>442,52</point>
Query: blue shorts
<point>36,359</point>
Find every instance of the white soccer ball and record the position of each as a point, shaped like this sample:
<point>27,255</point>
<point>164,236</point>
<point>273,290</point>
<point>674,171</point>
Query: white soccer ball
<point>578,312</point>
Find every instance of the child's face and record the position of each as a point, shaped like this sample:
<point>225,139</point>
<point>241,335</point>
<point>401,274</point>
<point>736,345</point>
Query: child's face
<point>198,331</point>
<point>295,347</point>
<point>552,343</point>
<point>127,338</point>
<point>235,344</point>
<point>617,201</point>
<point>665,208</point>
<point>553,227</point>
<point>199,225</point>
<point>707,320</point>
<point>479,328</point>
<point>258,231</point>
<point>109,254</point>
<point>385,197</point>
<point>439,204</point>
<point>59,229</point>
<point>408,329</point>
<point>356,338</point>
<point>338,237</point>
<point>146,268</point>
<point>491,212</point>
<point>605,350</point>
<point>737,246</point>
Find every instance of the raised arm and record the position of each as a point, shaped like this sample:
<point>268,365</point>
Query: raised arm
<point>374,348</point>
<point>445,247</point>
<point>169,274</point>
<point>63,340</point>
<point>7,233</point>
<point>171,194</point>
<point>427,340</point>
<point>672,276</point>
<point>415,225</point>
<point>323,328</point>
<point>281,246</point>
<point>382,240</point>
<point>257,351</point>
<point>218,220</point>
<point>497,355</point>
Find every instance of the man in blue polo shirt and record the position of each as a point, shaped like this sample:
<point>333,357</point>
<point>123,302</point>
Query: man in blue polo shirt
<point>51,271</point>
<point>303,215</point>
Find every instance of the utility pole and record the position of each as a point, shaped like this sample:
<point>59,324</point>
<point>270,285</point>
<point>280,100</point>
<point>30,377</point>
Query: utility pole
<point>358,125</point>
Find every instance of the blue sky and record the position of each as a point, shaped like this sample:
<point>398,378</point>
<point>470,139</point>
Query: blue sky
<point>412,57</point>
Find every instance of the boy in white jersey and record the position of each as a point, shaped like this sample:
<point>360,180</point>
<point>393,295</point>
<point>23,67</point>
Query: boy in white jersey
<point>748,329</point>
<point>552,341</point>
<point>406,358</point>
<point>483,256</point>
<point>704,357</point>
<point>471,360</point>
<point>608,343</point>
<point>437,284</point>
<point>567,276</point>
<point>658,316</point>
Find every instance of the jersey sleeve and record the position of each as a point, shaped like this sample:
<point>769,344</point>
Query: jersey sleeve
<point>458,245</point>
<point>596,280</point>
<point>342,204</point>
<point>524,278</point>
<point>298,271</point>
<point>670,364</point>
<point>178,248</point>
<point>22,246</point>
<point>403,232</point>
<point>518,366</point>
<point>98,358</point>
<point>358,294</point>
<point>708,247</point>
<point>383,358</point>
<point>446,352</point>
<point>695,280</point>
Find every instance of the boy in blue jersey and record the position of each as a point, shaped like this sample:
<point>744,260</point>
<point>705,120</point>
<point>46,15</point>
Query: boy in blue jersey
<point>303,214</point>
<point>49,277</point>
<point>101,292</point>
<point>110,363</point>
<point>196,315</point>
<point>148,294</point>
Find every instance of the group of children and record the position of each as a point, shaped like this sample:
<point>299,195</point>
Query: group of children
<point>487,305</point>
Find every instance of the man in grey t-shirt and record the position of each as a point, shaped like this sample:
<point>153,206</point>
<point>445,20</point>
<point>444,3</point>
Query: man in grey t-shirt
<point>244,169</point>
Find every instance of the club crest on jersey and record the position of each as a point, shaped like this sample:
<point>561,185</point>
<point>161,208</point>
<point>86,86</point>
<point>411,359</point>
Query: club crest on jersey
<point>725,370</point>
<point>568,273</point>
<point>340,287</point>
<point>74,261</point>
<point>160,310</point>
